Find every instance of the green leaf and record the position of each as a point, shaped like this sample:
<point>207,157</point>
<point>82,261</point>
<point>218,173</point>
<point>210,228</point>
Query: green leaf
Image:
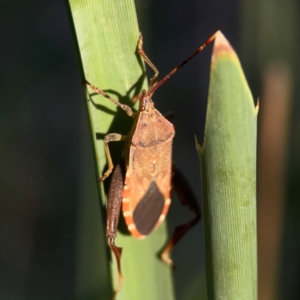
<point>107,34</point>
<point>228,161</point>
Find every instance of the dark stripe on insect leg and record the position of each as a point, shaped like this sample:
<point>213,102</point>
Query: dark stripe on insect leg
<point>157,85</point>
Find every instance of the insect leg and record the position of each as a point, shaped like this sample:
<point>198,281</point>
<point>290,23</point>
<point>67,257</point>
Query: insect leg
<point>138,97</point>
<point>111,137</point>
<point>147,60</point>
<point>113,213</point>
<point>124,107</point>
<point>186,197</point>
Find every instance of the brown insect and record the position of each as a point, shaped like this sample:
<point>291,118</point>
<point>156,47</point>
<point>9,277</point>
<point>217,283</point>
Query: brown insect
<point>142,183</point>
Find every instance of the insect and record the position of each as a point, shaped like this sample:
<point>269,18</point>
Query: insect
<point>142,182</point>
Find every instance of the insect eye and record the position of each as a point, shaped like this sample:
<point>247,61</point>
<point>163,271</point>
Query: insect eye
<point>152,102</point>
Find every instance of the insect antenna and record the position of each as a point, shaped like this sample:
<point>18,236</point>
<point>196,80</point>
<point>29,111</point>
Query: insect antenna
<point>162,81</point>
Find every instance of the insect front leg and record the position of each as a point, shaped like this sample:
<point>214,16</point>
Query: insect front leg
<point>187,198</point>
<point>147,60</point>
<point>124,107</point>
<point>113,213</point>
<point>111,137</point>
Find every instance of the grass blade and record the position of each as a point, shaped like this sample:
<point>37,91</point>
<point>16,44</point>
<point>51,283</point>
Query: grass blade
<point>228,161</point>
<point>107,33</point>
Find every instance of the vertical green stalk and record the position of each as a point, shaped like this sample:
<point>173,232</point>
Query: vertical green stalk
<point>107,33</point>
<point>228,161</point>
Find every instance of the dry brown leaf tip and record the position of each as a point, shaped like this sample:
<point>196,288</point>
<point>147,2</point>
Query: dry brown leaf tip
<point>221,47</point>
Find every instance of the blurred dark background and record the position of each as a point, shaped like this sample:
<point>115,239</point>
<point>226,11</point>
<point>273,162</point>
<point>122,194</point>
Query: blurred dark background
<point>45,147</point>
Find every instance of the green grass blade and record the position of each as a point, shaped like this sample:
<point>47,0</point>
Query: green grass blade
<point>107,34</point>
<point>228,161</point>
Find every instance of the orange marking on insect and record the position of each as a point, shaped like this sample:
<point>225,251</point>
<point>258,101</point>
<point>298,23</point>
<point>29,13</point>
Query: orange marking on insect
<point>126,206</point>
<point>129,221</point>
<point>166,207</point>
<point>168,201</point>
<point>165,210</point>
<point>126,193</point>
<point>127,213</point>
<point>135,233</point>
<point>162,217</point>
<point>131,227</point>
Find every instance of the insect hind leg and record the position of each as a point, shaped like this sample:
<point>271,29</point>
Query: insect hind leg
<point>187,198</point>
<point>113,213</point>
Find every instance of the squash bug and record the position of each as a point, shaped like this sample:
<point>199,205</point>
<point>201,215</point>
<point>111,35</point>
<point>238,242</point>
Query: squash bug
<point>143,181</point>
